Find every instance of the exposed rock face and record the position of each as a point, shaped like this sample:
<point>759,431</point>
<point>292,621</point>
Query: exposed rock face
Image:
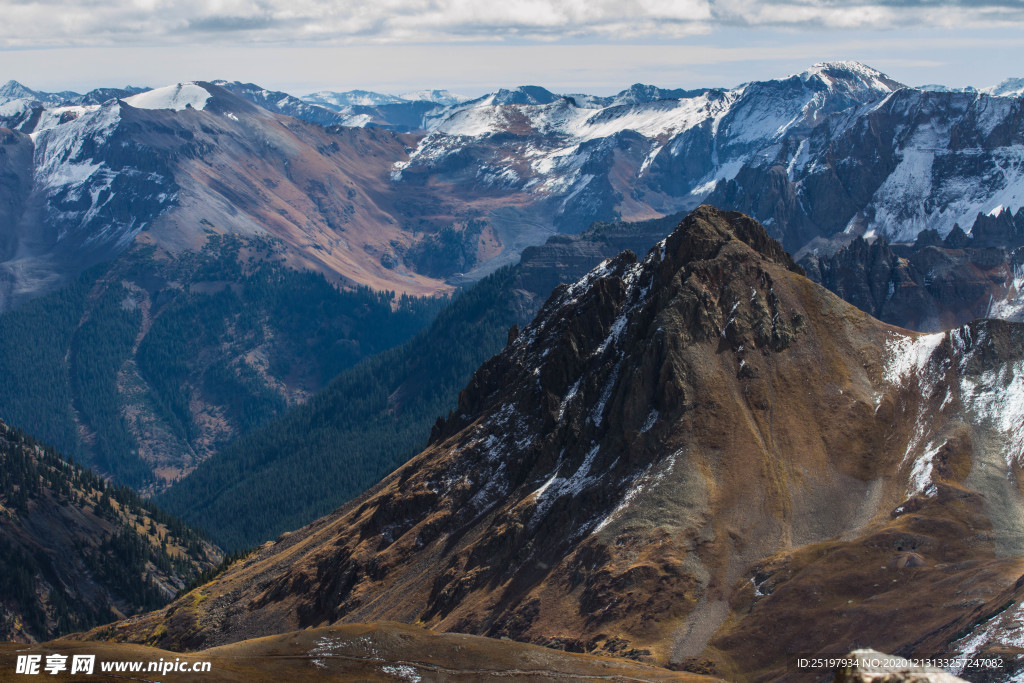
<point>915,160</point>
<point>699,458</point>
<point>934,284</point>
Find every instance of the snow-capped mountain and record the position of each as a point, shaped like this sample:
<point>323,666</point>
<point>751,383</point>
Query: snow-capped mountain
<point>635,158</point>
<point>283,103</point>
<point>177,97</point>
<point>445,97</point>
<point>938,87</point>
<point>83,183</point>
<point>12,90</point>
<point>366,98</point>
<point>1011,87</point>
<point>349,98</point>
<point>913,161</point>
<point>823,156</point>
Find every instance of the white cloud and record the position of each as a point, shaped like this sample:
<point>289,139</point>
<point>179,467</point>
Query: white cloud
<point>35,23</point>
<point>875,14</point>
<point>53,23</point>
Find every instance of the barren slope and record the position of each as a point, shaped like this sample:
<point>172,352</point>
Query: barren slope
<point>367,652</point>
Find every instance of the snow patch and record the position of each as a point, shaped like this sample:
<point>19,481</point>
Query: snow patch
<point>177,97</point>
<point>569,396</point>
<point>908,355</point>
<point>1005,629</point>
<point>921,473</point>
<point>403,672</point>
<point>644,481</point>
<point>558,486</point>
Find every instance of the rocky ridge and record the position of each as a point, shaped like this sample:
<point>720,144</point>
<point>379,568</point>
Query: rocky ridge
<point>933,284</point>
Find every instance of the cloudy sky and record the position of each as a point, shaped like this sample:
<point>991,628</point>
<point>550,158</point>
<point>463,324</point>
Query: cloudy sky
<point>472,46</point>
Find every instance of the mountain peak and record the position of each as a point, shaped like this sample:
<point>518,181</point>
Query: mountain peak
<point>524,94</point>
<point>640,93</point>
<point>713,260</point>
<point>178,97</point>
<point>708,227</point>
<point>12,90</point>
<point>445,97</point>
<point>851,72</point>
<point>351,98</point>
<point>1010,87</point>
<point>656,463</point>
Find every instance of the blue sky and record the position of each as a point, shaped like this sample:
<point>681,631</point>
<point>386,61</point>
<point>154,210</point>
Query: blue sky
<point>596,46</point>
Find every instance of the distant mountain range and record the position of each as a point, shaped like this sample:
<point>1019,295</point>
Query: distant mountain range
<point>1010,87</point>
<point>905,202</point>
<point>449,191</point>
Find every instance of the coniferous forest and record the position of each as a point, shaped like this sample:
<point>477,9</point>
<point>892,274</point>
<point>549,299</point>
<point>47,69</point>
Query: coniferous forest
<point>147,364</point>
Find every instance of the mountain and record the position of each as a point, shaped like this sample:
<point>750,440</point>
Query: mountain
<point>937,87</point>
<point>198,211</point>
<point>189,159</point>
<point>445,97</point>
<point>12,90</point>
<point>283,103</point>
<point>101,95</point>
<point>635,159</point>
<point>363,98</point>
<point>1011,87</point>
<point>361,108</point>
<point>915,161</point>
<point>523,95</point>
<point>934,284</point>
<point>638,93</point>
<point>698,458</point>
<point>445,193</point>
<point>77,552</point>
<point>373,417</point>
<point>822,157</point>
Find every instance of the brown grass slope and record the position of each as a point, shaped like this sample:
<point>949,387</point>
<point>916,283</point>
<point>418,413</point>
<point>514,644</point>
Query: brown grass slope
<point>701,459</point>
<point>363,652</point>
